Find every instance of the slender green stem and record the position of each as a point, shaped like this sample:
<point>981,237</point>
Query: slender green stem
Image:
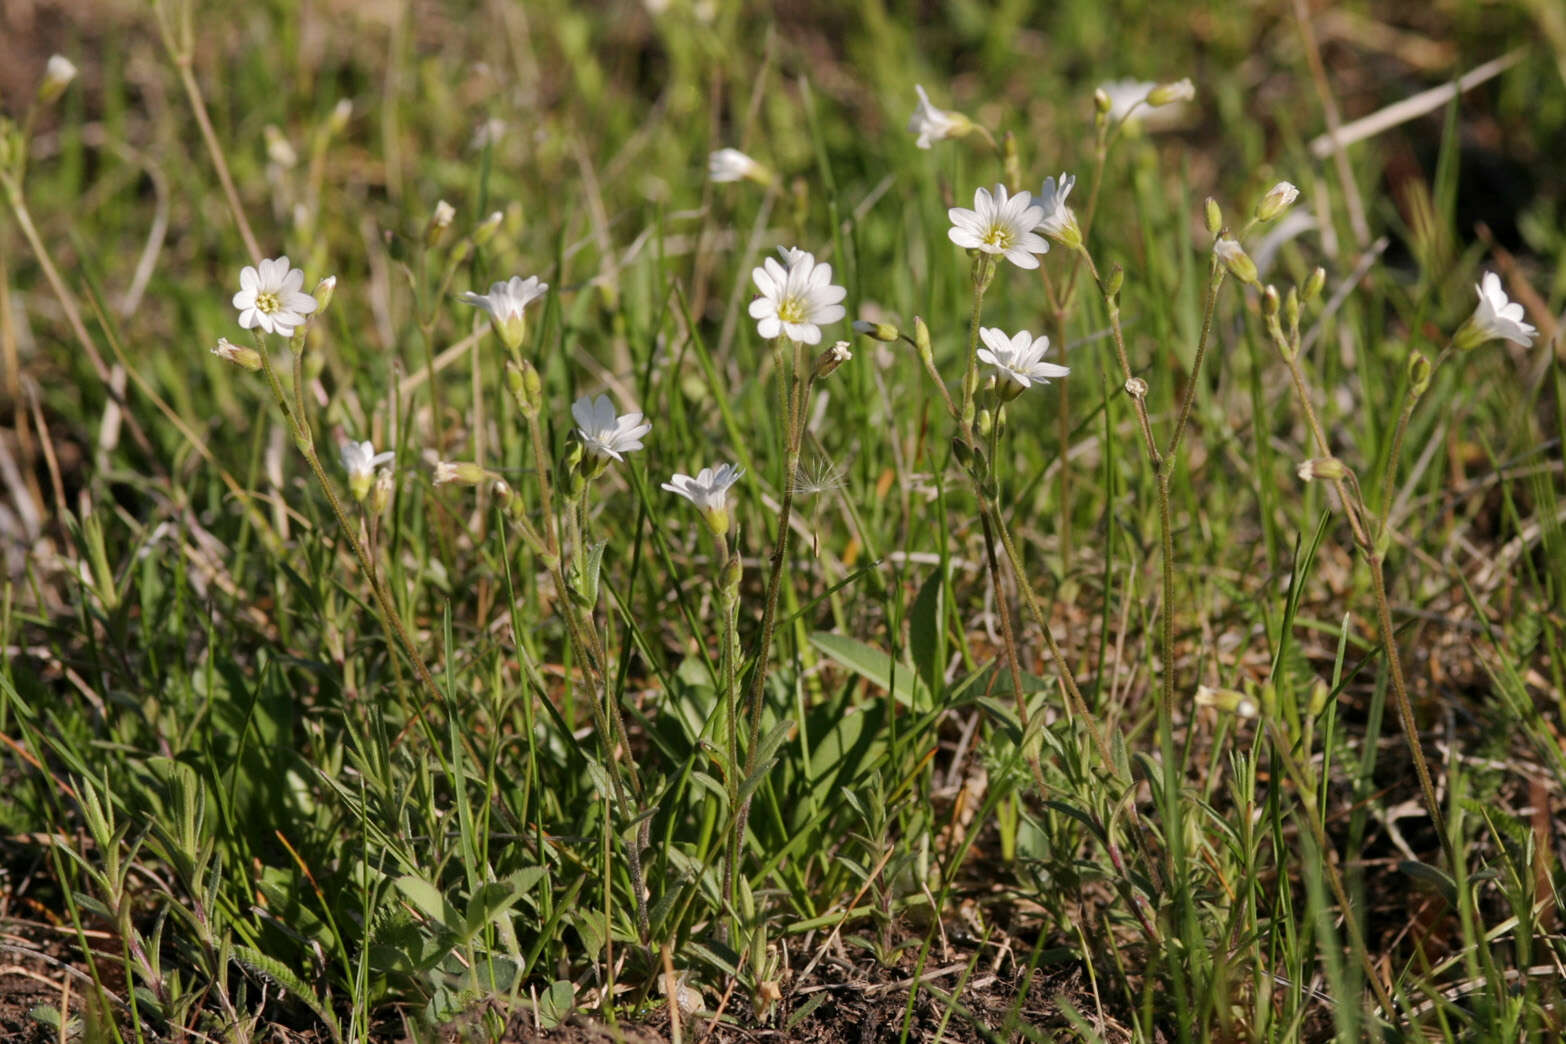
<point>795,417</point>
<point>1353,510</point>
<point>983,272</point>
<point>389,617</point>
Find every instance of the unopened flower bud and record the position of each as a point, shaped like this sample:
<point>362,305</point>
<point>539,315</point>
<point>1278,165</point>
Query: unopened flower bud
<point>246,358</point>
<point>1230,701</point>
<point>1114,281</point>
<point>1102,102</point>
<point>1136,387</point>
<point>1278,199</point>
<point>1320,693</point>
<point>831,359</point>
<point>1313,285</point>
<point>381,493</point>
<point>1236,260</point>
<point>1291,308</point>
<point>487,228</point>
<point>922,342</point>
<point>323,293</point>
<point>342,112</point>
<point>1270,302</point>
<point>1214,214</point>
<point>58,75</point>
<point>1329,468</point>
<point>876,331</point>
<point>1169,93</point>
<point>1419,372</point>
<point>985,423</point>
<point>440,220</point>
<point>462,472</point>
<point>733,572</point>
<point>278,148</point>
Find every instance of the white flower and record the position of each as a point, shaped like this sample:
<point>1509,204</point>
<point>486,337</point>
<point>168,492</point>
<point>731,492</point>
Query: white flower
<point>1018,359</point>
<point>733,165</point>
<point>505,302</point>
<point>792,255</point>
<point>1059,222</point>
<point>1000,225</point>
<point>269,297</point>
<point>795,300</point>
<point>1497,317</point>
<point>932,124</point>
<point>360,461</point>
<point>603,432</point>
<point>709,491</point>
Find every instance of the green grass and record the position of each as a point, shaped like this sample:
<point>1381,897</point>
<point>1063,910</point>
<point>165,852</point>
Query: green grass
<point>238,807</point>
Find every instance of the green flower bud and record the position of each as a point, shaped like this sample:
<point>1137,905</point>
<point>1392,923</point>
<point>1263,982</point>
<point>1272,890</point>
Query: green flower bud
<point>1313,284</point>
<point>884,332</point>
<point>1214,216</point>
<point>1236,260</point>
<point>244,358</point>
<point>1419,373</point>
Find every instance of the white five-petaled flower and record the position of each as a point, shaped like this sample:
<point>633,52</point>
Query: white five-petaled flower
<point>1018,359</point>
<point>269,297</point>
<point>796,299</point>
<point>1497,317</point>
<point>709,491</point>
<point>733,165</point>
<point>605,433</point>
<point>360,461</point>
<point>999,224</point>
<point>1059,222</point>
<point>505,302</point>
<point>932,124</point>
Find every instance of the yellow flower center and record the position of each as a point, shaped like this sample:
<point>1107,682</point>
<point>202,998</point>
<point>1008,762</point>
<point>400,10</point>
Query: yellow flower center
<point>998,236</point>
<point>268,302</point>
<point>791,310</point>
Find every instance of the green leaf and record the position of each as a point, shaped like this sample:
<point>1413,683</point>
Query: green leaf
<point>876,667</point>
<point>555,1003</point>
<point>427,899</point>
<point>927,630</point>
<point>1432,878</point>
<point>280,973</point>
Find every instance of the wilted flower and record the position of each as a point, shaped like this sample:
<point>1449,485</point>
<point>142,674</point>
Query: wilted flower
<point>795,300</point>
<point>269,297</point>
<point>505,302</point>
<point>1328,468</point>
<point>999,224</point>
<point>1018,360</point>
<point>360,461</point>
<point>604,433</point>
<point>932,124</point>
<point>828,361</point>
<point>1496,318</point>
<point>733,165</point>
<point>709,491</point>
<point>1059,222</point>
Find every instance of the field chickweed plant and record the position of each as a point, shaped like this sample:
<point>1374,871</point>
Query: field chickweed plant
<point>788,603</point>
